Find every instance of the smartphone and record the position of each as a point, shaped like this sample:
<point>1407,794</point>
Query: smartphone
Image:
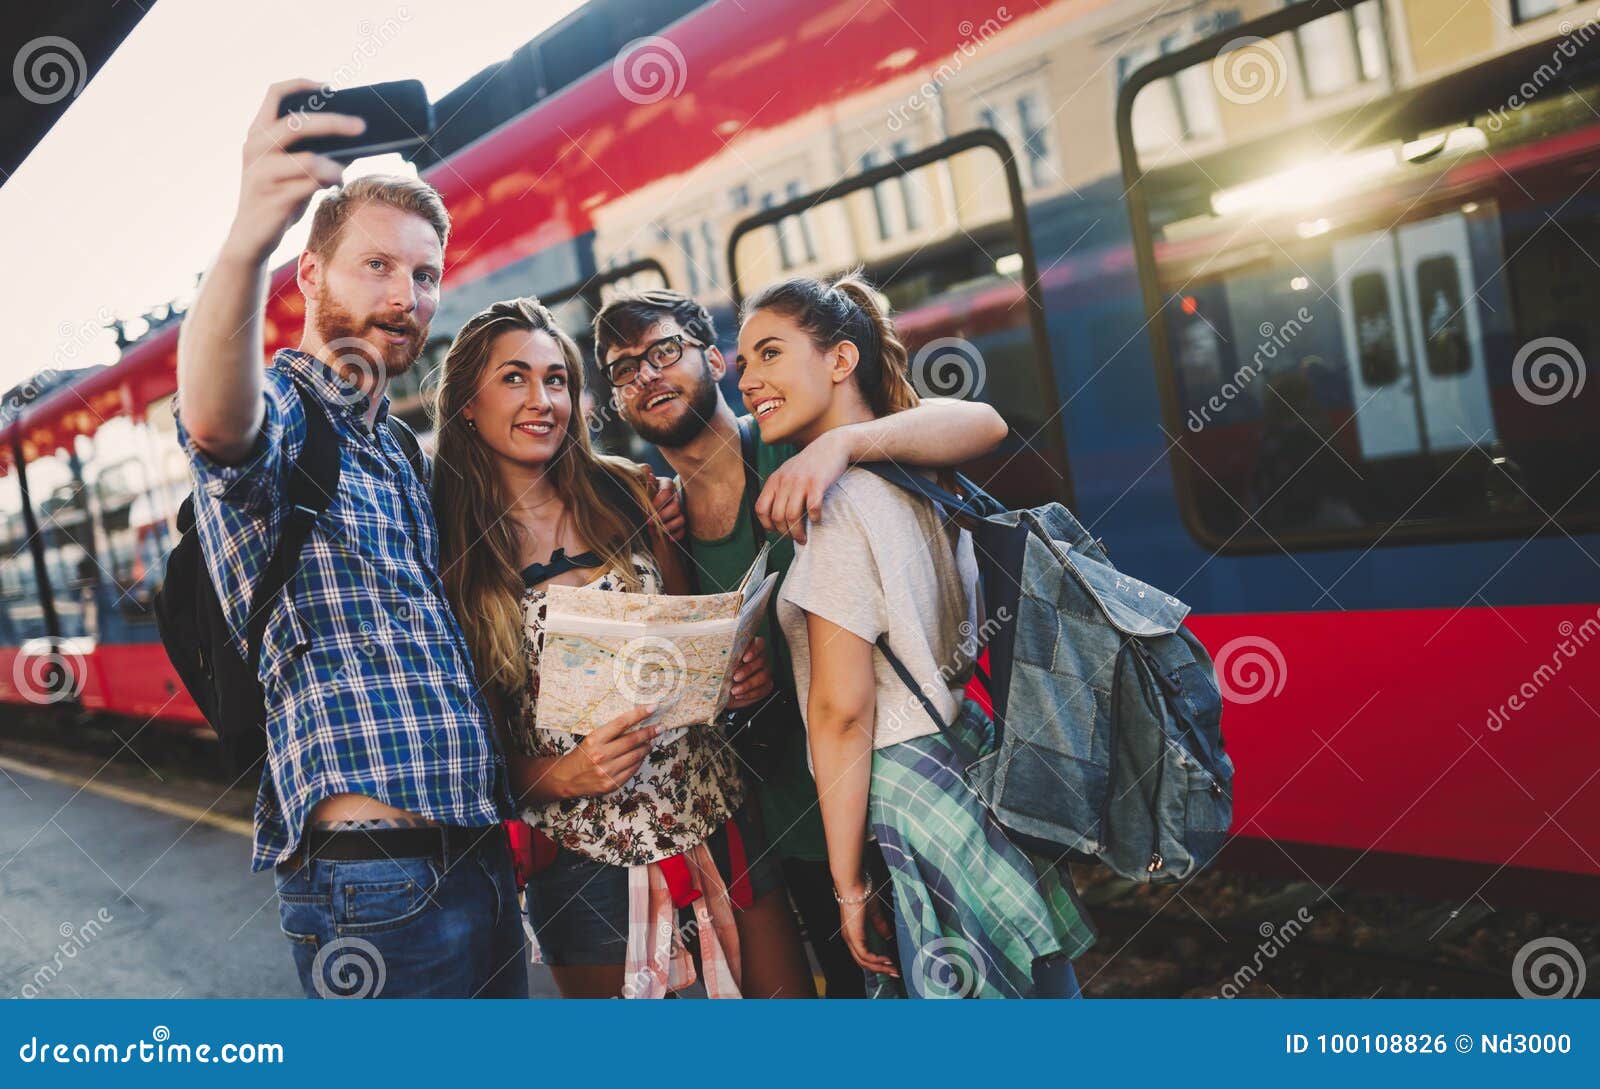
<point>399,118</point>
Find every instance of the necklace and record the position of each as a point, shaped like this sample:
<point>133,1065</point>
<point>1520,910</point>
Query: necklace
<point>536,506</point>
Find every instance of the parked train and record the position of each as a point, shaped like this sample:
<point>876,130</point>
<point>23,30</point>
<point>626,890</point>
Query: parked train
<point>1292,303</point>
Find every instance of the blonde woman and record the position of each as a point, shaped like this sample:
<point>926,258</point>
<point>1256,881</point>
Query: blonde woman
<point>646,819</point>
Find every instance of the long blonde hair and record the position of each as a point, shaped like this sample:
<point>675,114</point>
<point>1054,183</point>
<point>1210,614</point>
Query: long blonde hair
<point>480,544</point>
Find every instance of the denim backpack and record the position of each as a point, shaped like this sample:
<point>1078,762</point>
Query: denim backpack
<point>1108,734</point>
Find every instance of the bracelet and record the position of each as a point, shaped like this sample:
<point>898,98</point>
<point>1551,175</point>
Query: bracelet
<point>863,898</point>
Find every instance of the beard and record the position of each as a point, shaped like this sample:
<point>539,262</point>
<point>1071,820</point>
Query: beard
<point>337,326</point>
<point>702,402</point>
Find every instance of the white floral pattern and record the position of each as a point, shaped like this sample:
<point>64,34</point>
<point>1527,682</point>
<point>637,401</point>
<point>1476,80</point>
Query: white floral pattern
<point>687,787</point>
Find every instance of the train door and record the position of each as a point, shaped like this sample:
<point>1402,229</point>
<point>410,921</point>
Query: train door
<point>1410,321</point>
<point>1443,311</point>
<point>1383,383</point>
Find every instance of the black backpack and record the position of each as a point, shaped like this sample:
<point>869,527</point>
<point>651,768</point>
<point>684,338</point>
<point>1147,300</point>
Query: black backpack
<point>194,628</point>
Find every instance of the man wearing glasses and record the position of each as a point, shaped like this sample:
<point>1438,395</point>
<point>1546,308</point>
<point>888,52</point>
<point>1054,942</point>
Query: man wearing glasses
<point>658,352</point>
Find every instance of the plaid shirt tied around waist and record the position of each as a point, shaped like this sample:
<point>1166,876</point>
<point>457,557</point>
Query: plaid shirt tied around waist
<point>369,684</point>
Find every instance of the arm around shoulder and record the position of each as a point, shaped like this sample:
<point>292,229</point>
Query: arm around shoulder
<point>936,434</point>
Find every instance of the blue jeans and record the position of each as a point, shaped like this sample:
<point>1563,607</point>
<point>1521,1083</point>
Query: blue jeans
<point>407,927</point>
<point>1053,977</point>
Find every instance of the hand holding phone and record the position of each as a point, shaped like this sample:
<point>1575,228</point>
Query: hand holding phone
<point>398,117</point>
<point>277,183</point>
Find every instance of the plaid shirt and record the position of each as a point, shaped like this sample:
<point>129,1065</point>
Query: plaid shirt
<point>369,683</point>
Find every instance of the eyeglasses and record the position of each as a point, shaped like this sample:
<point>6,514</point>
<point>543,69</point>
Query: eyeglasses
<point>661,354</point>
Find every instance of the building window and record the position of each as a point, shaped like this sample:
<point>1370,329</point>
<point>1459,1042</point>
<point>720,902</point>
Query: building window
<point>785,254</point>
<point>1171,110</point>
<point>795,244</point>
<point>880,203</point>
<point>897,203</point>
<point>699,246</point>
<point>708,241</point>
<point>690,265</point>
<point>793,191</point>
<point>1340,50</point>
<point>1523,10</point>
<point>1025,124</point>
<point>910,190</point>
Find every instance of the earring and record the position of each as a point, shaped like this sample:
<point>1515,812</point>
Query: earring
<point>471,425</point>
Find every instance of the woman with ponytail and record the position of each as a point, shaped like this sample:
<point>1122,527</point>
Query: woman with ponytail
<point>973,914</point>
<point>642,817</point>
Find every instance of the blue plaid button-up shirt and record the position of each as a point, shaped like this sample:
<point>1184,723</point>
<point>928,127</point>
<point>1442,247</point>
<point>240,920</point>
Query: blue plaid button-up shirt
<point>369,683</point>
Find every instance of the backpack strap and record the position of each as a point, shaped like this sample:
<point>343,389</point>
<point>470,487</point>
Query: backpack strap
<point>752,479</point>
<point>313,482</point>
<point>410,445</point>
<point>978,503</point>
<point>968,757</point>
<point>616,494</point>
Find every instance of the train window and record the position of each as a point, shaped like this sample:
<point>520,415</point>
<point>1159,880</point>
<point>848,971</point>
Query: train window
<point>21,614</point>
<point>66,532</point>
<point>963,288</point>
<point>1443,315</point>
<point>1374,329</point>
<point>134,534</point>
<point>1375,332</point>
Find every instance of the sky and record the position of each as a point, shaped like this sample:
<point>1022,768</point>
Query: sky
<point>130,194</point>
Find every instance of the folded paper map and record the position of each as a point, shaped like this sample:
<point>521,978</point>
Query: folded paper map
<point>606,652</point>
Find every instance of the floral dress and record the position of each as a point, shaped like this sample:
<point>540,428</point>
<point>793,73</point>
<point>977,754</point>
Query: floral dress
<point>686,788</point>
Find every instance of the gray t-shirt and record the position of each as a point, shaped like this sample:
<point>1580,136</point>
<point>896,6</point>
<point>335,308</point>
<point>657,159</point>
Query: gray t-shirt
<point>881,561</point>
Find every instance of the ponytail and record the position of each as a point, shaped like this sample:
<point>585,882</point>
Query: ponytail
<point>894,380</point>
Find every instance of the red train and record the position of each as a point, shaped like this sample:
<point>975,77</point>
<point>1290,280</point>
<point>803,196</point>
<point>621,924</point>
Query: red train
<point>1307,349</point>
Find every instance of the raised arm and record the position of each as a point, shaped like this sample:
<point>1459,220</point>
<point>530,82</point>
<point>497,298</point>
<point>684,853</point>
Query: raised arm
<point>936,434</point>
<point>220,346</point>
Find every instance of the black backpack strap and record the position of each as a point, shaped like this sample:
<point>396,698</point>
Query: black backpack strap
<point>615,494</point>
<point>978,503</point>
<point>410,446</point>
<point>752,479</point>
<point>313,482</point>
<point>964,751</point>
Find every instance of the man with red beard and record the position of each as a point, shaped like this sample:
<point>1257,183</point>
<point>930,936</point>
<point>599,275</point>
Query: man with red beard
<point>384,786</point>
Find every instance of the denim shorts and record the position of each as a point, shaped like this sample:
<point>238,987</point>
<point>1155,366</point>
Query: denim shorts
<point>579,907</point>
